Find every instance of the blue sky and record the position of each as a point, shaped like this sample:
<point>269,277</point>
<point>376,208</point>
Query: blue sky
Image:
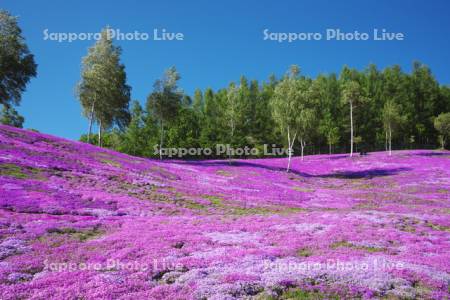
<point>222,41</point>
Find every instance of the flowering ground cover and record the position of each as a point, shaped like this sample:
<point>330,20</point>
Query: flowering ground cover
<point>81,222</point>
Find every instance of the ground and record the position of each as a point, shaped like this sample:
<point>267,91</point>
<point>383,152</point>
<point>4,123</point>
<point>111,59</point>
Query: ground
<point>81,222</point>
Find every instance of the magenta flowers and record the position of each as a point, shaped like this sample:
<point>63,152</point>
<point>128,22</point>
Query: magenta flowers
<point>77,221</point>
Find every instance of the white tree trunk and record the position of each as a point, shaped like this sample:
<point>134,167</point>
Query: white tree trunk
<point>100,133</point>
<point>386,141</point>
<point>290,145</point>
<point>232,138</point>
<point>302,146</point>
<point>289,150</point>
<point>351,129</point>
<point>390,140</point>
<point>91,119</point>
<point>161,139</point>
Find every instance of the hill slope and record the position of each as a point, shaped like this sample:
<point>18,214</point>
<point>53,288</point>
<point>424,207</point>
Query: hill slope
<point>77,221</point>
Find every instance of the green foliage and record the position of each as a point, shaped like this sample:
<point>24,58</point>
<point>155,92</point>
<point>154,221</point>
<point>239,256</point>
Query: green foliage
<point>17,64</point>
<point>442,124</point>
<point>299,294</point>
<point>165,102</point>
<point>102,90</point>
<point>285,102</point>
<point>9,116</point>
<point>329,130</point>
<point>134,140</point>
<point>233,108</point>
<point>388,106</point>
<point>391,115</point>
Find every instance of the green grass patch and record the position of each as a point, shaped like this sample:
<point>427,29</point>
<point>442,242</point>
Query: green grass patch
<point>304,252</point>
<point>111,163</point>
<point>437,227</point>
<point>224,173</point>
<point>215,200</point>
<point>299,294</point>
<point>13,170</point>
<point>345,244</point>
<point>303,189</point>
<point>235,209</point>
<point>80,235</point>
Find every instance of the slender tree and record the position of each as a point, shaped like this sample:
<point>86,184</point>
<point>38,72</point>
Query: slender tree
<point>391,120</point>
<point>442,125</point>
<point>103,91</point>
<point>285,108</point>
<point>198,104</point>
<point>329,130</point>
<point>352,95</point>
<point>232,111</point>
<point>306,108</point>
<point>165,101</point>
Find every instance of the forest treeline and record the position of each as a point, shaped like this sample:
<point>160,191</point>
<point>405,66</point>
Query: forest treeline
<point>355,110</point>
<point>388,103</point>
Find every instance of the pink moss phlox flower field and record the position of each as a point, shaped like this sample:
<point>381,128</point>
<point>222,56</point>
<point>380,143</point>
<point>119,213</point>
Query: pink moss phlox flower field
<point>81,222</point>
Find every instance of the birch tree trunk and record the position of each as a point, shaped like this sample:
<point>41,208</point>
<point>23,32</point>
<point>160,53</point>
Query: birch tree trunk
<point>100,133</point>
<point>232,138</point>
<point>351,129</point>
<point>302,146</point>
<point>390,140</point>
<point>91,119</point>
<point>290,150</point>
<point>329,145</point>
<point>161,139</point>
<point>386,141</point>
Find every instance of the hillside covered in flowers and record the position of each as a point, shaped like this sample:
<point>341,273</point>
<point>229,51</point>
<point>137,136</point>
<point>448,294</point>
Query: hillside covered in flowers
<point>82,222</point>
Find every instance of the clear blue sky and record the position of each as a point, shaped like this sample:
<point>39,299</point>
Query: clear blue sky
<point>222,42</point>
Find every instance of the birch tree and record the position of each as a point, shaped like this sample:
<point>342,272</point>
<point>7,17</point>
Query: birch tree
<point>391,120</point>
<point>352,95</point>
<point>285,108</point>
<point>232,111</point>
<point>103,92</point>
<point>305,111</point>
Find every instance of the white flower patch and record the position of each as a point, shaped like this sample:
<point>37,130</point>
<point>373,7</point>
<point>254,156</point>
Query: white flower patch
<point>11,186</point>
<point>303,227</point>
<point>12,246</point>
<point>372,272</point>
<point>375,217</point>
<point>234,237</point>
<point>216,252</point>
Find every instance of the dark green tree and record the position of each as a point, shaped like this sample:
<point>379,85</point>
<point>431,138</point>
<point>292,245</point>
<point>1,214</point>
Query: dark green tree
<point>442,125</point>
<point>17,64</point>
<point>165,102</point>
<point>9,116</point>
